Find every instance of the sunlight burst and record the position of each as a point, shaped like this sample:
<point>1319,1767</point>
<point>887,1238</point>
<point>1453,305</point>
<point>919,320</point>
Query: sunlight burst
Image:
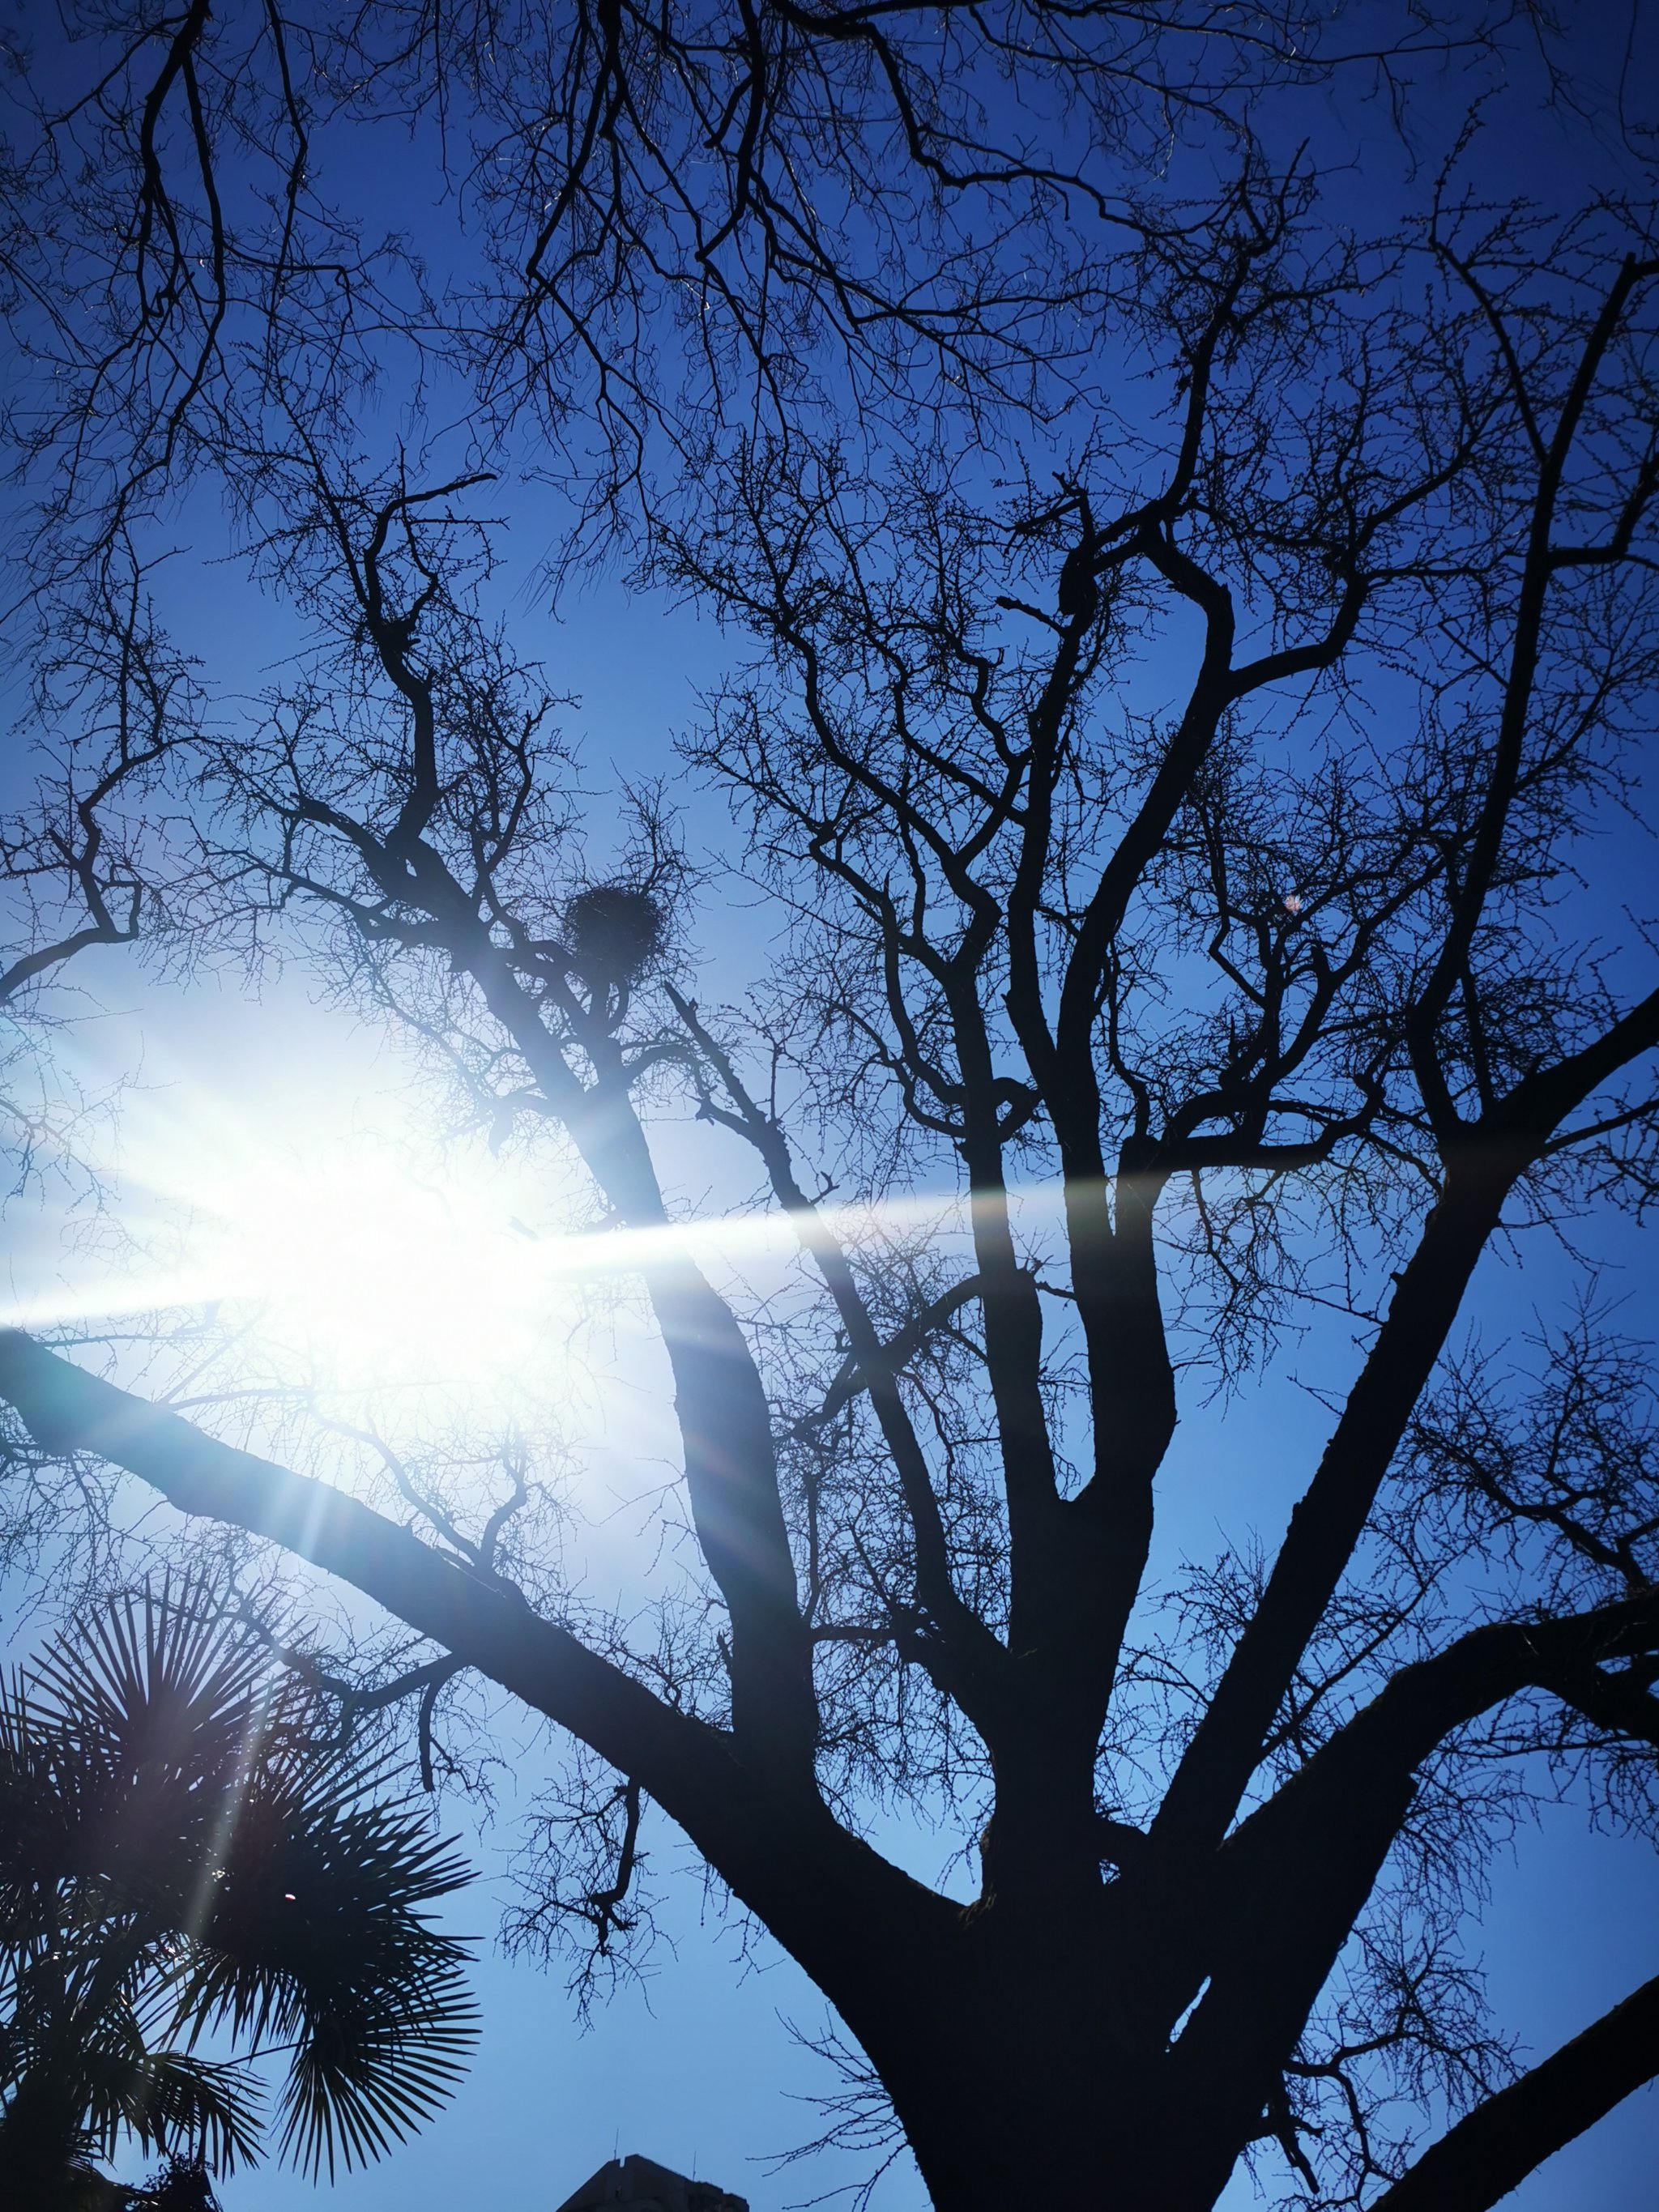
<point>365,1260</point>
<point>379,1273</point>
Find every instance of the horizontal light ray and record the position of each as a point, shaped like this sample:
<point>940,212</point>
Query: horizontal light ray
<point>258,1259</point>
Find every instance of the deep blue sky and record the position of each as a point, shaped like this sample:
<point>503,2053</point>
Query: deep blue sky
<point>696,2069</point>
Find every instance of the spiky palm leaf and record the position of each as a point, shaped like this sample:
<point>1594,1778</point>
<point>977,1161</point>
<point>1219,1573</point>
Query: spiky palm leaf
<point>94,2074</point>
<point>184,1846</point>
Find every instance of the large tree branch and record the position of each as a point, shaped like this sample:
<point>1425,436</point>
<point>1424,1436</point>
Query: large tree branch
<point>725,1422</point>
<point>1327,1521</point>
<point>1288,1886</point>
<point>477,1619</point>
<point>1389,1738</point>
<point>819,1889</point>
<point>1482,1172</point>
<point>723,1418</point>
<point>1492,2149</point>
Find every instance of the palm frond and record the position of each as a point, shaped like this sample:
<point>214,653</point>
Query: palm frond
<point>368,2076</point>
<point>175,2101</point>
<point>181,1856</point>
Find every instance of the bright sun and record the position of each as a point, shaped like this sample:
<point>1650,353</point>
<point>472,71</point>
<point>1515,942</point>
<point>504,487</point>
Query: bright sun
<point>347,1253</point>
<point>355,1256</point>
<point>378,1274</point>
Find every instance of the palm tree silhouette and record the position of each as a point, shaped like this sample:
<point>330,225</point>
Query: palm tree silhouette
<point>193,1880</point>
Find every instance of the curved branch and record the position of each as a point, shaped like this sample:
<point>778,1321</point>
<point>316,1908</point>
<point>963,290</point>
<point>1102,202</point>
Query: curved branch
<point>686,1764</point>
<point>1294,1878</point>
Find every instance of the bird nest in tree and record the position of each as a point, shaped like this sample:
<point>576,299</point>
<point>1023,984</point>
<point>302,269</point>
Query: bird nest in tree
<point>614,931</point>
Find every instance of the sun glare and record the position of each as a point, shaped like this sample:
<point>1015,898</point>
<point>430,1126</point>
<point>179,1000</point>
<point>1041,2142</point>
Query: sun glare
<point>319,1226</point>
<point>376,1273</point>
<point>357,1258</point>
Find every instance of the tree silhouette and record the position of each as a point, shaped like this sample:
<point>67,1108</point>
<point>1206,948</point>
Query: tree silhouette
<point>1174,819</point>
<point>183,1856</point>
<point>652,222</point>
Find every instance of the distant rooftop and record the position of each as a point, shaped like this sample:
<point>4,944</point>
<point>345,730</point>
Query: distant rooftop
<point>641,2185</point>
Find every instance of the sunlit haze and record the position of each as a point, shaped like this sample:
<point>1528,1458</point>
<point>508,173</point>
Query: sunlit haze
<point>332,1233</point>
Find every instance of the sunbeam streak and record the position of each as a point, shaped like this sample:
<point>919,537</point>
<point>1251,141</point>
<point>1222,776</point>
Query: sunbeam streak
<point>374,1267</point>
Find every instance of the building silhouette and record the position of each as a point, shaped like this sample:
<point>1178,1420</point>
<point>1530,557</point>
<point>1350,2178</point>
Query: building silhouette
<point>640,2185</point>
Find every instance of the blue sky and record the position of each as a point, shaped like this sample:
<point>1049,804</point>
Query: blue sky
<point>695,2068</point>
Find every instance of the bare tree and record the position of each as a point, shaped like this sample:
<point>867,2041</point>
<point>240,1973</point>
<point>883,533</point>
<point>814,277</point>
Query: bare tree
<point>91,859</point>
<point>1276,987</point>
<point>648,222</point>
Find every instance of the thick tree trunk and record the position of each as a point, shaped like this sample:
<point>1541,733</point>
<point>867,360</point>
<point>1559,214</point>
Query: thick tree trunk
<point>1020,2070</point>
<point>1032,2104</point>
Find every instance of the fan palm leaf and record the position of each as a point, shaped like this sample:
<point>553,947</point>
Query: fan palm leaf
<point>182,1860</point>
